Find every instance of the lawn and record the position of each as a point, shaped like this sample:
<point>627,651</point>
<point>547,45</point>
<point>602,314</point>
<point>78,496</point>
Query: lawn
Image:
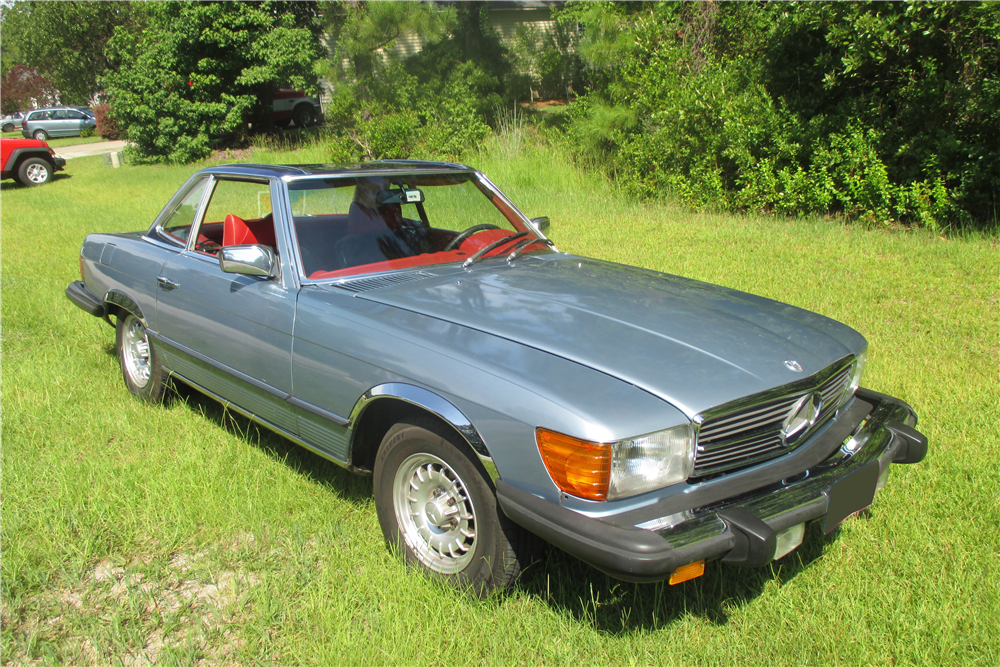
<point>178,533</point>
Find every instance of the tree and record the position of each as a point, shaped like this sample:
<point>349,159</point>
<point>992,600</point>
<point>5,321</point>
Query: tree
<point>21,88</point>
<point>65,41</point>
<point>201,68</point>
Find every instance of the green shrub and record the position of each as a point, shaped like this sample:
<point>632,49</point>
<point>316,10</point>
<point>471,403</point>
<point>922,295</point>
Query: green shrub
<point>884,113</point>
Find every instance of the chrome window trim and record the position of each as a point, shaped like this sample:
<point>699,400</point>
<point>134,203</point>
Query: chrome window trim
<point>157,227</point>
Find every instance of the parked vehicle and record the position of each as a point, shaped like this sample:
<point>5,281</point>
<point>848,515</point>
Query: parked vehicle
<point>11,121</point>
<point>29,162</point>
<point>404,319</point>
<point>42,124</point>
<point>294,106</point>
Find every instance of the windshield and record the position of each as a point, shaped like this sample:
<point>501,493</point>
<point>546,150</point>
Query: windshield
<point>363,224</point>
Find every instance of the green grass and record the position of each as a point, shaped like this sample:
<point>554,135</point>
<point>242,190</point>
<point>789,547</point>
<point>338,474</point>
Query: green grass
<point>182,533</point>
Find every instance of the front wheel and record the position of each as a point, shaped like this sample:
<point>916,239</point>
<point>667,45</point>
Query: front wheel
<point>139,361</point>
<point>437,507</point>
<point>34,171</point>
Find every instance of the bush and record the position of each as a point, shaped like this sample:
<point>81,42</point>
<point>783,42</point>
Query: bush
<point>885,113</point>
<point>107,127</point>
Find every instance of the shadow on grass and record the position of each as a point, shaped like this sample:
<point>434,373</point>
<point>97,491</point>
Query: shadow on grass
<point>617,607</point>
<point>349,486</point>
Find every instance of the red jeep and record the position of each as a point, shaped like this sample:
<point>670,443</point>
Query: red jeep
<point>27,161</point>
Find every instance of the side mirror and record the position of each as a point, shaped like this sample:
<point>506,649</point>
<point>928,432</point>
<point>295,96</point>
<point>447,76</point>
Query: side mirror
<point>541,224</point>
<point>249,260</point>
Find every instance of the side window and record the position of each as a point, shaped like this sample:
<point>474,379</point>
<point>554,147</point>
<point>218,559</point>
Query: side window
<point>59,114</point>
<point>239,213</point>
<point>75,115</point>
<point>178,226</point>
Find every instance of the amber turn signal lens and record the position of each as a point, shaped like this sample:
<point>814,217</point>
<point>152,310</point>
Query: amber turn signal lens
<point>578,467</point>
<point>689,571</point>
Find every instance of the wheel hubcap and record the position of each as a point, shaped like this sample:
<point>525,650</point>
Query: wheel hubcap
<point>135,352</point>
<point>435,513</point>
<point>37,173</point>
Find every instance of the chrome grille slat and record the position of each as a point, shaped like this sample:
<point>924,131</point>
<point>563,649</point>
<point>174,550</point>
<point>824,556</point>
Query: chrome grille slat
<point>719,423</point>
<point>751,432</point>
<point>765,446</point>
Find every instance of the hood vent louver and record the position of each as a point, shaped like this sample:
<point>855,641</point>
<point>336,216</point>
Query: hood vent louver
<point>378,282</point>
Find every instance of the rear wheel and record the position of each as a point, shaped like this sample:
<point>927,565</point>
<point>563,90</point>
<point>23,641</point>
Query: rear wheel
<point>304,115</point>
<point>41,135</point>
<point>438,508</point>
<point>139,361</point>
<point>9,127</point>
<point>34,171</point>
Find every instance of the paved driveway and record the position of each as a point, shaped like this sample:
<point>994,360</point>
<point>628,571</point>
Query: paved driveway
<point>83,150</point>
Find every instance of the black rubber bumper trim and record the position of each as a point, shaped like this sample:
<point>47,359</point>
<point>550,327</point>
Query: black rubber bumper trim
<point>59,163</point>
<point>914,447</point>
<point>631,554</point>
<point>84,299</point>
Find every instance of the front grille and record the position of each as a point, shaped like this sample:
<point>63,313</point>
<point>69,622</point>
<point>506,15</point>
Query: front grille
<point>751,432</point>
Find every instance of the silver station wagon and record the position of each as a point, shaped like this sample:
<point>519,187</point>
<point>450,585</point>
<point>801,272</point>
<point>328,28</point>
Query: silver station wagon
<point>404,319</point>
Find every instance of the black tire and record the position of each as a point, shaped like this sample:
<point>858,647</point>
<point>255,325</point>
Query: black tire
<point>304,115</point>
<point>9,127</point>
<point>41,135</point>
<point>34,171</point>
<point>140,365</point>
<point>496,549</point>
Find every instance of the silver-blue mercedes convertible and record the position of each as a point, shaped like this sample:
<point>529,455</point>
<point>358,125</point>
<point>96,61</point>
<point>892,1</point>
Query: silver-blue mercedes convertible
<point>404,319</point>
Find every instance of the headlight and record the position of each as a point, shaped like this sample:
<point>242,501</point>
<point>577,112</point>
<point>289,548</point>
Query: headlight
<point>607,471</point>
<point>651,461</point>
<point>859,369</point>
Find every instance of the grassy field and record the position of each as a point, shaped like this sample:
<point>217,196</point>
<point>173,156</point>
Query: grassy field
<point>177,534</point>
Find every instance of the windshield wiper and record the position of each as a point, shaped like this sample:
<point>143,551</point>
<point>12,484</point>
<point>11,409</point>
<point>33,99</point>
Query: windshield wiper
<point>520,247</point>
<point>493,246</point>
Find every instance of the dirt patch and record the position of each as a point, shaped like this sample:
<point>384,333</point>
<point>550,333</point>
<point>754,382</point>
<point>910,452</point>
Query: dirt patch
<point>135,615</point>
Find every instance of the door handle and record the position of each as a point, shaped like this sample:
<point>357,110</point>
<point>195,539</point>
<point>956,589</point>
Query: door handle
<point>166,283</point>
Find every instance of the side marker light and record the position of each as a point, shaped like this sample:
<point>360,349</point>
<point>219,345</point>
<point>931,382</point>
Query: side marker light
<point>689,571</point>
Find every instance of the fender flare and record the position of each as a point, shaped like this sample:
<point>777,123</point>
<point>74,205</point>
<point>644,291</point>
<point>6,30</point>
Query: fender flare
<point>428,400</point>
<point>126,303</point>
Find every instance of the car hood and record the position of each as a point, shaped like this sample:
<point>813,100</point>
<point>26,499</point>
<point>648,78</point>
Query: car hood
<point>692,344</point>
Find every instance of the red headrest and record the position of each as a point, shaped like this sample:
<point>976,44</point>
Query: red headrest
<point>235,231</point>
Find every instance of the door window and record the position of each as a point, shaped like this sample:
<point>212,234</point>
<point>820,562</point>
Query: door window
<point>238,213</point>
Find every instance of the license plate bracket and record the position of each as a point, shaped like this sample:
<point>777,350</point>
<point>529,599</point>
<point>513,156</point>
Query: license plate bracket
<point>851,494</point>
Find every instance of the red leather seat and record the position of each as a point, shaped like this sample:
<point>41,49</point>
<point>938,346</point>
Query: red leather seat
<point>236,231</point>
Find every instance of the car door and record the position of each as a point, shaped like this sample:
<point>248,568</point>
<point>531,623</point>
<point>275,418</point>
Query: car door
<point>75,122</point>
<point>229,333</point>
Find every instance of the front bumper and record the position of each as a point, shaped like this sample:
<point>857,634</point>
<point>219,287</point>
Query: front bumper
<point>58,163</point>
<point>84,299</point>
<point>736,522</point>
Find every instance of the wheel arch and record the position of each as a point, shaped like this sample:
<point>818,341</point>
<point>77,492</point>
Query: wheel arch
<point>116,302</point>
<point>384,405</point>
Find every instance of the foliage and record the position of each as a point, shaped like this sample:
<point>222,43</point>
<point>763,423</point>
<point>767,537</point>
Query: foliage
<point>437,103</point>
<point>107,126</point>
<point>201,69</point>
<point>22,88</point>
<point>883,112</point>
<point>65,41</point>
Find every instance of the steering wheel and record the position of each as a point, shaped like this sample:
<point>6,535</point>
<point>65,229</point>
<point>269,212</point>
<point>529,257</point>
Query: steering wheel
<point>457,241</point>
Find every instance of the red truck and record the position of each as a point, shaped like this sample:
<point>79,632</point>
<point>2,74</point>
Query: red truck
<point>28,161</point>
